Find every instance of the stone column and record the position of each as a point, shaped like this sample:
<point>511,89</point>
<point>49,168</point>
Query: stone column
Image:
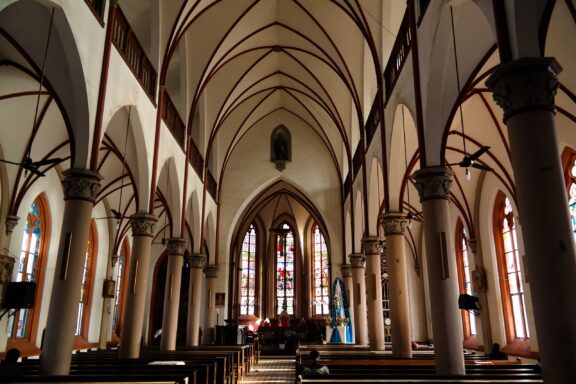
<point>349,284</point>
<point>197,262</point>
<point>143,225</point>
<point>358,262</point>
<point>108,304</point>
<point>81,186</point>
<point>433,185</point>
<point>394,225</point>
<point>479,288</point>
<point>371,248</point>
<point>175,249</point>
<point>525,90</point>
<point>211,273</point>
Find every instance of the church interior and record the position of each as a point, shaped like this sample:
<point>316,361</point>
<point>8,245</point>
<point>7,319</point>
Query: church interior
<point>228,182</point>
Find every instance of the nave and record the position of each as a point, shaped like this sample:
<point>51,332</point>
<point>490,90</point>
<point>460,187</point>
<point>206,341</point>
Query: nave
<point>170,167</point>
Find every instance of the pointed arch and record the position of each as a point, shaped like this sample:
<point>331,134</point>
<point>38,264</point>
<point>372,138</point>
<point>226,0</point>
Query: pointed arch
<point>22,327</point>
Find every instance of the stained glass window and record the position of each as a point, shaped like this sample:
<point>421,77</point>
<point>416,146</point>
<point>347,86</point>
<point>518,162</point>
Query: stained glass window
<point>85,289</point>
<point>321,280</point>
<point>511,268</point>
<point>120,279</point>
<point>385,284</point>
<point>19,325</point>
<point>285,270</point>
<point>572,193</point>
<point>465,277</point>
<point>248,273</point>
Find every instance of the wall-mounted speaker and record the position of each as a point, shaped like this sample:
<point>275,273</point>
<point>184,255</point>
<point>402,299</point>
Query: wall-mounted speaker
<point>19,295</point>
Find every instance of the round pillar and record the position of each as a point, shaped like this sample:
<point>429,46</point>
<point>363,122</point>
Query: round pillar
<point>81,186</point>
<point>394,225</point>
<point>358,262</point>
<point>525,90</point>
<point>175,248</point>
<point>349,284</point>
<point>371,247</point>
<point>143,225</point>
<point>433,185</point>
<point>197,262</point>
<point>211,273</point>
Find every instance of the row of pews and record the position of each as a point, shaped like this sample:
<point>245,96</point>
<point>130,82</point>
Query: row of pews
<point>364,366</point>
<point>193,365</point>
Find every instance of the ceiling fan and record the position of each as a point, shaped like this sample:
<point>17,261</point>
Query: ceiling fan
<point>469,160</point>
<point>33,166</point>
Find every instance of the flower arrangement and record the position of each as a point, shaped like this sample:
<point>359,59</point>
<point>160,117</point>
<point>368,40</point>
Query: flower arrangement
<point>342,320</point>
<point>329,320</point>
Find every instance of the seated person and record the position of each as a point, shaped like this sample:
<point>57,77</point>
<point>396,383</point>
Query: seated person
<point>316,367</point>
<point>10,366</point>
<point>496,353</point>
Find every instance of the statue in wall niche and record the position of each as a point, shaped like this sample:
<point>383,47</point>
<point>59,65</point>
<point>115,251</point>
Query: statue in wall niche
<point>280,147</point>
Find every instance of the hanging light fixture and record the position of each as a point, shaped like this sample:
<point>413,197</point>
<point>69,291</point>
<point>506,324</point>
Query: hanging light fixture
<point>27,163</point>
<point>469,160</point>
<point>409,215</point>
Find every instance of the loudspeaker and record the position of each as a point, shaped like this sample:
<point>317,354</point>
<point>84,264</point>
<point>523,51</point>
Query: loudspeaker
<point>19,295</point>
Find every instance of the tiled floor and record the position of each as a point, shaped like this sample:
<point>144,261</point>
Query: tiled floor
<point>273,369</point>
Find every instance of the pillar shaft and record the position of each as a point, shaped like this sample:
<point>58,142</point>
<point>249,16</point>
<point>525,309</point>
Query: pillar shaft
<point>433,186</point>
<point>211,272</point>
<point>108,305</point>
<point>394,225</point>
<point>349,284</point>
<point>197,262</point>
<point>81,187</point>
<point>371,247</point>
<point>480,290</point>
<point>525,89</point>
<point>142,231</point>
<point>175,248</point>
<point>360,309</point>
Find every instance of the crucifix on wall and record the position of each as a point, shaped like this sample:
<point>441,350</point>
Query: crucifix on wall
<point>280,147</point>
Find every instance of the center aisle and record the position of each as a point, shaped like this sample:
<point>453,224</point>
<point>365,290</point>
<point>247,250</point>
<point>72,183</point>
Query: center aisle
<point>273,369</point>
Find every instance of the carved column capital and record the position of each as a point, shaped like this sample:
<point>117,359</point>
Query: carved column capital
<point>211,271</point>
<point>197,260</point>
<point>526,84</point>
<point>6,265</point>
<point>81,184</point>
<point>358,260</point>
<point>371,245</point>
<point>346,270</point>
<point>433,182</point>
<point>143,224</point>
<point>11,223</point>
<point>472,245</point>
<point>393,223</point>
<point>114,259</point>
<point>176,246</point>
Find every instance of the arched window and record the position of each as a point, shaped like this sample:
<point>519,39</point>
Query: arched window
<point>510,270</point>
<point>119,291</point>
<point>22,326</point>
<point>464,276</point>
<point>385,283</point>
<point>320,271</point>
<point>285,285</point>
<point>83,316</point>
<point>248,273</point>
<point>569,162</point>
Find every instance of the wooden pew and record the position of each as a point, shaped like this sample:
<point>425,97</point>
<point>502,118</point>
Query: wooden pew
<point>227,366</point>
<point>109,379</point>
